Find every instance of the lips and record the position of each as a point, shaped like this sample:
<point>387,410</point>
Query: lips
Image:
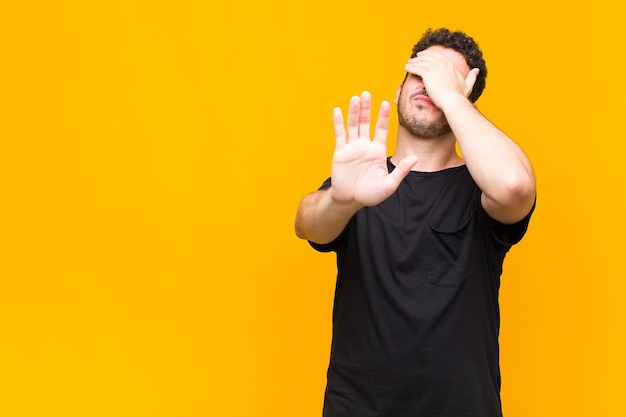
<point>422,98</point>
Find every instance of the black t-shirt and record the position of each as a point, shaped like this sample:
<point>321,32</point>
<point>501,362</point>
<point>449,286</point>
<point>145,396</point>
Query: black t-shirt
<point>416,316</point>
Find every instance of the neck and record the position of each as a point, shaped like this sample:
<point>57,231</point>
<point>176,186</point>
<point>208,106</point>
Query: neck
<point>434,154</point>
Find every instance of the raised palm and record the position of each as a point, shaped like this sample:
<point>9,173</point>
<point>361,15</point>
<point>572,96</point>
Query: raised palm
<point>359,172</point>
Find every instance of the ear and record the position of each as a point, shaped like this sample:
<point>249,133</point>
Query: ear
<point>395,100</point>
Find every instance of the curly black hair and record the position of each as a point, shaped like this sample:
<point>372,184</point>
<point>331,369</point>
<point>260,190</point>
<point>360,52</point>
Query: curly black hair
<point>462,43</point>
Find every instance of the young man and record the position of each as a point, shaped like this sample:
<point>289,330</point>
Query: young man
<point>420,239</point>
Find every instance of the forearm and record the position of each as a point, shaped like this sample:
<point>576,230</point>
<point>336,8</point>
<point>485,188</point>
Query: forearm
<point>495,161</point>
<point>321,219</point>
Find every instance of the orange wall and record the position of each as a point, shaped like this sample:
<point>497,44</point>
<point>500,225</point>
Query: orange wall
<point>152,157</point>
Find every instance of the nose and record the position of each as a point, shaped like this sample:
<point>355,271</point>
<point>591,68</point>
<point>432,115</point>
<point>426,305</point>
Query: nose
<point>416,78</point>
<point>420,83</point>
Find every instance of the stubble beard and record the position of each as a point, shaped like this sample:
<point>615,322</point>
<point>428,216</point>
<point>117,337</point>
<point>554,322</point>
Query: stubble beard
<point>419,125</point>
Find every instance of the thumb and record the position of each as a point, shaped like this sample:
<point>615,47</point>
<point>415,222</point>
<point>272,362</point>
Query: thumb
<point>470,80</point>
<point>402,170</point>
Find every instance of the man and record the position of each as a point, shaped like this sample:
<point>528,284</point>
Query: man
<point>420,239</point>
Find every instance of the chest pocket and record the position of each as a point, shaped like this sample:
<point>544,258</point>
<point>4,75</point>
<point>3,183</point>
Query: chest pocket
<point>450,250</point>
<point>450,235</point>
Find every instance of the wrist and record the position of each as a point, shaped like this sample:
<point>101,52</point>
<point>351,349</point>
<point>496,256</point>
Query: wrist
<point>454,103</point>
<point>342,206</point>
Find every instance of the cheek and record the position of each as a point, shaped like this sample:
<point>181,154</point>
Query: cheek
<point>400,96</point>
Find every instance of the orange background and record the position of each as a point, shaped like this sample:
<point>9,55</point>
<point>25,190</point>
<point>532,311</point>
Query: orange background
<point>152,157</point>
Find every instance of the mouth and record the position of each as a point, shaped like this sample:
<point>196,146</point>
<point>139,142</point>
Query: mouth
<point>422,98</point>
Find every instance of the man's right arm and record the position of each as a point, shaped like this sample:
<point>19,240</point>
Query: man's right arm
<point>321,219</point>
<point>360,176</point>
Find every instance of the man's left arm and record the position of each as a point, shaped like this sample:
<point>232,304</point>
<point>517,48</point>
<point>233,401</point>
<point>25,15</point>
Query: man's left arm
<point>497,164</point>
<point>495,161</point>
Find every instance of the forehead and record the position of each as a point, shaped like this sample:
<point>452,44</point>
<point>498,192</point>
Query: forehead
<point>456,57</point>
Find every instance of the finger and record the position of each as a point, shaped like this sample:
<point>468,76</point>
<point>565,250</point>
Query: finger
<point>382,124</point>
<point>340,131</point>
<point>412,68</point>
<point>353,118</point>
<point>364,115</point>
<point>402,170</point>
<point>426,56</point>
<point>416,68</point>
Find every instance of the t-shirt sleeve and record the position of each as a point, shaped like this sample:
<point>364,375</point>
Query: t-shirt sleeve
<point>331,246</point>
<point>509,234</point>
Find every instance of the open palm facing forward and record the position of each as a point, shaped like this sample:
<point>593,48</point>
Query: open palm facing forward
<point>359,172</point>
